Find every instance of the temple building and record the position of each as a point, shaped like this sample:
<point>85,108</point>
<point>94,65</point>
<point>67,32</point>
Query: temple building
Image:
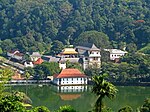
<point>70,77</point>
<point>90,55</point>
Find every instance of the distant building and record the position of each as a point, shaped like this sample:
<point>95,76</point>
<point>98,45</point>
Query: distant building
<point>69,54</point>
<point>70,77</point>
<point>28,64</point>
<point>35,56</point>
<point>38,61</point>
<point>61,61</point>
<point>15,55</point>
<point>115,54</point>
<point>90,55</point>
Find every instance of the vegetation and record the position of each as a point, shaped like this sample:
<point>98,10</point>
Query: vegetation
<point>134,67</point>
<point>66,108</point>
<point>102,88</point>
<point>43,70</point>
<point>41,25</point>
<point>74,65</point>
<point>146,106</point>
<point>126,109</point>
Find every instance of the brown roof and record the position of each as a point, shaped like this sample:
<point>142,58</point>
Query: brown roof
<point>39,61</point>
<point>69,73</point>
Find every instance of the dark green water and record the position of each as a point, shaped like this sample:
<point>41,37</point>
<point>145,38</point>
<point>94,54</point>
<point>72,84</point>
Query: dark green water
<point>83,101</point>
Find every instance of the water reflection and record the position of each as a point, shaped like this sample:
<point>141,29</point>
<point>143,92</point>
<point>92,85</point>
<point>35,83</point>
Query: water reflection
<point>71,89</point>
<point>70,92</point>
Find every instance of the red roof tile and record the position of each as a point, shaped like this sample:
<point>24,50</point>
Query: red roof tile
<point>70,73</point>
<point>39,61</point>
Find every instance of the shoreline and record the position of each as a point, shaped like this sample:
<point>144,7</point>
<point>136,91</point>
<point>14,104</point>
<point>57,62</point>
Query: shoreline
<point>12,82</point>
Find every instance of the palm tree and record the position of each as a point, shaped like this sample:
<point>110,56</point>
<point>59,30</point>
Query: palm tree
<point>102,88</point>
<point>27,76</point>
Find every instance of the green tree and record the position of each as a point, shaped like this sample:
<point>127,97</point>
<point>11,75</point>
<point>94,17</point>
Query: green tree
<point>74,65</point>
<point>27,76</point>
<point>40,109</point>
<point>102,88</point>
<point>57,47</point>
<point>11,103</point>
<point>146,106</point>
<point>1,51</point>
<point>98,38</point>
<point>46,69</point>
<point>126,109</point>
<point>66,108</point>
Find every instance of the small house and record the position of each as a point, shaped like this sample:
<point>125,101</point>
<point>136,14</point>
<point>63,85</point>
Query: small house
<point>115,54</point>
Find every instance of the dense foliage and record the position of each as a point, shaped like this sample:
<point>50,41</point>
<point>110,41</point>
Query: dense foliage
<point>43,70</point>
<point>33,25</point>
<point>133,68</point>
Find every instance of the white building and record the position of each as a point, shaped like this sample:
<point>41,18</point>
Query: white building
<point>70,77</point>
<point>115,53</point>
<point>28,64</point>
<point>90,55</point>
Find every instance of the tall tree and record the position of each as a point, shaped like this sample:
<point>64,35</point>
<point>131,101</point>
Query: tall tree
<point>102,88</point>
<point>98,38</point>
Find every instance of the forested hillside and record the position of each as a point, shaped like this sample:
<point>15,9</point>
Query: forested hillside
<point>36,25</point>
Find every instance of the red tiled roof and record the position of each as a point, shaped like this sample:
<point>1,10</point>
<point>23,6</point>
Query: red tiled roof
<point>39,61</point>
<point>70,73</point>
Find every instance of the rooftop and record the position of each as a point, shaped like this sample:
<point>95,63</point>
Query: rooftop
<point>88,47</point>
<point>39,61</point>
<point>36,54</point>
<point>69,51</point>
<point>115,51</point>
<point>70,73</point>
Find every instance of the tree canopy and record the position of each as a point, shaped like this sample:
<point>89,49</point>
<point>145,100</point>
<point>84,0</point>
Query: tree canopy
<point>33,25</point>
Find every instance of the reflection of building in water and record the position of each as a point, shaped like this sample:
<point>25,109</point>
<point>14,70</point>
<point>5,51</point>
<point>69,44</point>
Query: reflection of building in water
<point>67,89</point>
<point>70,92</point>
<point>69,96</point>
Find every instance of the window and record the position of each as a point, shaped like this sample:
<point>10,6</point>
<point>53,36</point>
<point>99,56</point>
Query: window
<point>72,79</point>
<point>81,78</point>
<point>95,58</point>
<point>86,58</point>
<point>77,78</point>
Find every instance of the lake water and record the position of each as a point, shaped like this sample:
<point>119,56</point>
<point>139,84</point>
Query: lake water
<point>81,97</point>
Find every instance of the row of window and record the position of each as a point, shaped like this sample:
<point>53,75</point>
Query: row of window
<point>71,78</point>
<point>116,55</point>
<point>72,82</point>
<point>94,52</point>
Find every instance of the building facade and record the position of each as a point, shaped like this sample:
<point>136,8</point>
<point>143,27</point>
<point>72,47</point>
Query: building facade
<point>70,77</point>
<point>115,54</point>
<point>90,55</point>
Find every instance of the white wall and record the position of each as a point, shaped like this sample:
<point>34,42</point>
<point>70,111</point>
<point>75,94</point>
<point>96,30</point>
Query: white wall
<point>117,55</point>
<point>70,81</point>
<point>94,53</point>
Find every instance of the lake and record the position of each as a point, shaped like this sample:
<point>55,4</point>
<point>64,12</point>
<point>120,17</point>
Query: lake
<point>81,98</point>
